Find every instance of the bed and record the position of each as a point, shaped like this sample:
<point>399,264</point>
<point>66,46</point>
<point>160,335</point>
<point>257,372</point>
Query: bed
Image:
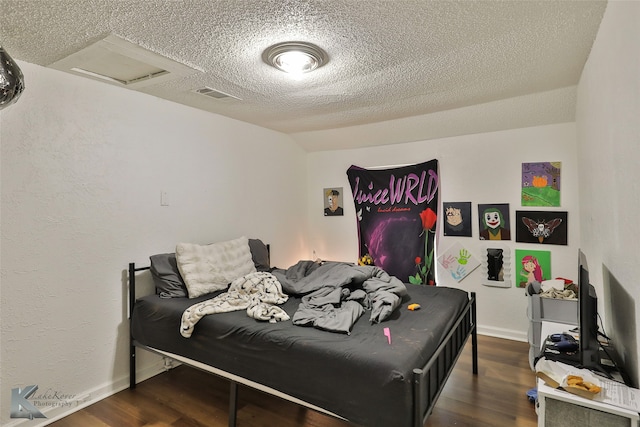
<point>369,376</point>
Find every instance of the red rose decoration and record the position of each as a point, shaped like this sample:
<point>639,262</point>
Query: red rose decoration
<point>428,217</point>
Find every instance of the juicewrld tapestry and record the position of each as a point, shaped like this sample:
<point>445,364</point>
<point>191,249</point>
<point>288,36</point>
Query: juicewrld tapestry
<point>397,210</point>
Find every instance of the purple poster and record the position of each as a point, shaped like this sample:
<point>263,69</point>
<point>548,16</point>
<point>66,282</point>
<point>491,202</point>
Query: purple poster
<point>396,211</point>
<point>541,184</point>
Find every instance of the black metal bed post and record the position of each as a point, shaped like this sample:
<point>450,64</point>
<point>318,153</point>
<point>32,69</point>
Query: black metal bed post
<point>418,395</point>
<point>474,335</point>
<point>233,403</point>
<point>458,337</point>
<point>132,347</point>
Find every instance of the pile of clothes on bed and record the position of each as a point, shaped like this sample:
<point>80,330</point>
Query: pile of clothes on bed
<point>336,294</point>
<point>333,296</point>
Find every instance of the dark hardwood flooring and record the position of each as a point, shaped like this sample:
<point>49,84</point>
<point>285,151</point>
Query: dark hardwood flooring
<point>186,397</point>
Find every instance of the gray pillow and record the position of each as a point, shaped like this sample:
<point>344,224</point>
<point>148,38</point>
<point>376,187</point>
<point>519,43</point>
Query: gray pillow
<point>260,255</point>
<point>166,276</point>
<point>169,282</point>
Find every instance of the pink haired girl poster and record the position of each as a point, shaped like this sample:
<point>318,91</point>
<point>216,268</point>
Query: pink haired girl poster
<point>534,266</point>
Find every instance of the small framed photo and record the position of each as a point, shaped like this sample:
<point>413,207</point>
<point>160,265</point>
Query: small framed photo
<point>333,202</point>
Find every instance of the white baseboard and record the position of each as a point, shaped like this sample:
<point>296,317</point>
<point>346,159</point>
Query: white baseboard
<point>89,397</point>
<point>509,334</point>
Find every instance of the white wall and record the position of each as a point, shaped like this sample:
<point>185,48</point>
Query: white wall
<point>608,129</point>
<point>83,165</point>
<point>481,168</point>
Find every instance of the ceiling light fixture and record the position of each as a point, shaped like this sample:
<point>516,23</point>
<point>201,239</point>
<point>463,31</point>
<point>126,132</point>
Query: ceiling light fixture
<point>295,57</point>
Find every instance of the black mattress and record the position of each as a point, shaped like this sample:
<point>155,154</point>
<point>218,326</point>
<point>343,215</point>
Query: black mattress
<point>358,376</point>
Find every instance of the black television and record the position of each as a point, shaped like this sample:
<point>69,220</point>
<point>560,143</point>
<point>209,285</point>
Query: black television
<point>589,345</point>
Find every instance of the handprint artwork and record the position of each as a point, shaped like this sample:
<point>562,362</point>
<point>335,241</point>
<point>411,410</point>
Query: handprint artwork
<point>459,274</point>
<point>458,261</point>
<point>464,256</point>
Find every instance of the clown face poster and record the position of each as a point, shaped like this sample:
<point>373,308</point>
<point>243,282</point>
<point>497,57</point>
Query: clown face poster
<point>397,210</point>
<point>494,222</point>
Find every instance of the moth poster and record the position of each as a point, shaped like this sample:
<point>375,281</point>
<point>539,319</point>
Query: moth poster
<point>542,227</point>
<point>397,210</point>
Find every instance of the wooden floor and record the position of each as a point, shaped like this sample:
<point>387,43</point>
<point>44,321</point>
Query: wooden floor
<point>186,397</point>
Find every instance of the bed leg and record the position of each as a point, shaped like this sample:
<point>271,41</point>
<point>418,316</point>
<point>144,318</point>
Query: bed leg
<point>233,403</point>
<point>132,367</point>
<point>474,335</point>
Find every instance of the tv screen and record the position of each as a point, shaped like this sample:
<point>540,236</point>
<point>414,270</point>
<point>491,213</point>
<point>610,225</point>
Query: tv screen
<point>587,317</point>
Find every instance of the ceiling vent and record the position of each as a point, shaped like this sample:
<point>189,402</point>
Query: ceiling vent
<point>119,62</point>
<point>212,93</point>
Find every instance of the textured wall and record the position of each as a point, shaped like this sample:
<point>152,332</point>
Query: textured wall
<point>83,165</point>
<point>609,137</point>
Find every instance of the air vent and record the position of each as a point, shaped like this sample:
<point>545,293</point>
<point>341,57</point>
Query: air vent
<point>212,93</point>
<point>122,63</point>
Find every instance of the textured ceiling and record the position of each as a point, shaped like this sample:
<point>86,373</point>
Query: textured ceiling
<point>387,59</point>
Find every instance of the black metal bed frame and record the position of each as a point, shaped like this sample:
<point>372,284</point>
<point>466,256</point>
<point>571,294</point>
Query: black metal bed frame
<point>428,381</point>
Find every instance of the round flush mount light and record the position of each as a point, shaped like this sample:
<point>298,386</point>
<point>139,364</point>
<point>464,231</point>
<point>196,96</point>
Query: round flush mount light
<point>295,57</point>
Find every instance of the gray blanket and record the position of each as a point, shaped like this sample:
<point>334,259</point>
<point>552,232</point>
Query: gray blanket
<point>336,294</point>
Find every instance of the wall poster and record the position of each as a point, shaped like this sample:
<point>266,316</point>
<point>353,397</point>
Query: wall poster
<point>494,221</point>
<point>541,184</point>
<point>333,202</point>
<point>545,227</point>
<point>458,261</point>
<point>457,217</point>
<point>534,266</point>
<point>397,210</point>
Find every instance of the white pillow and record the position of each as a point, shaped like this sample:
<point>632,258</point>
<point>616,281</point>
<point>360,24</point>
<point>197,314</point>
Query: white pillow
<point>212,267</point>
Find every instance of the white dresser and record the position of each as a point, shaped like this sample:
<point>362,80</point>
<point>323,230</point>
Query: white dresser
<point>541,309</point>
